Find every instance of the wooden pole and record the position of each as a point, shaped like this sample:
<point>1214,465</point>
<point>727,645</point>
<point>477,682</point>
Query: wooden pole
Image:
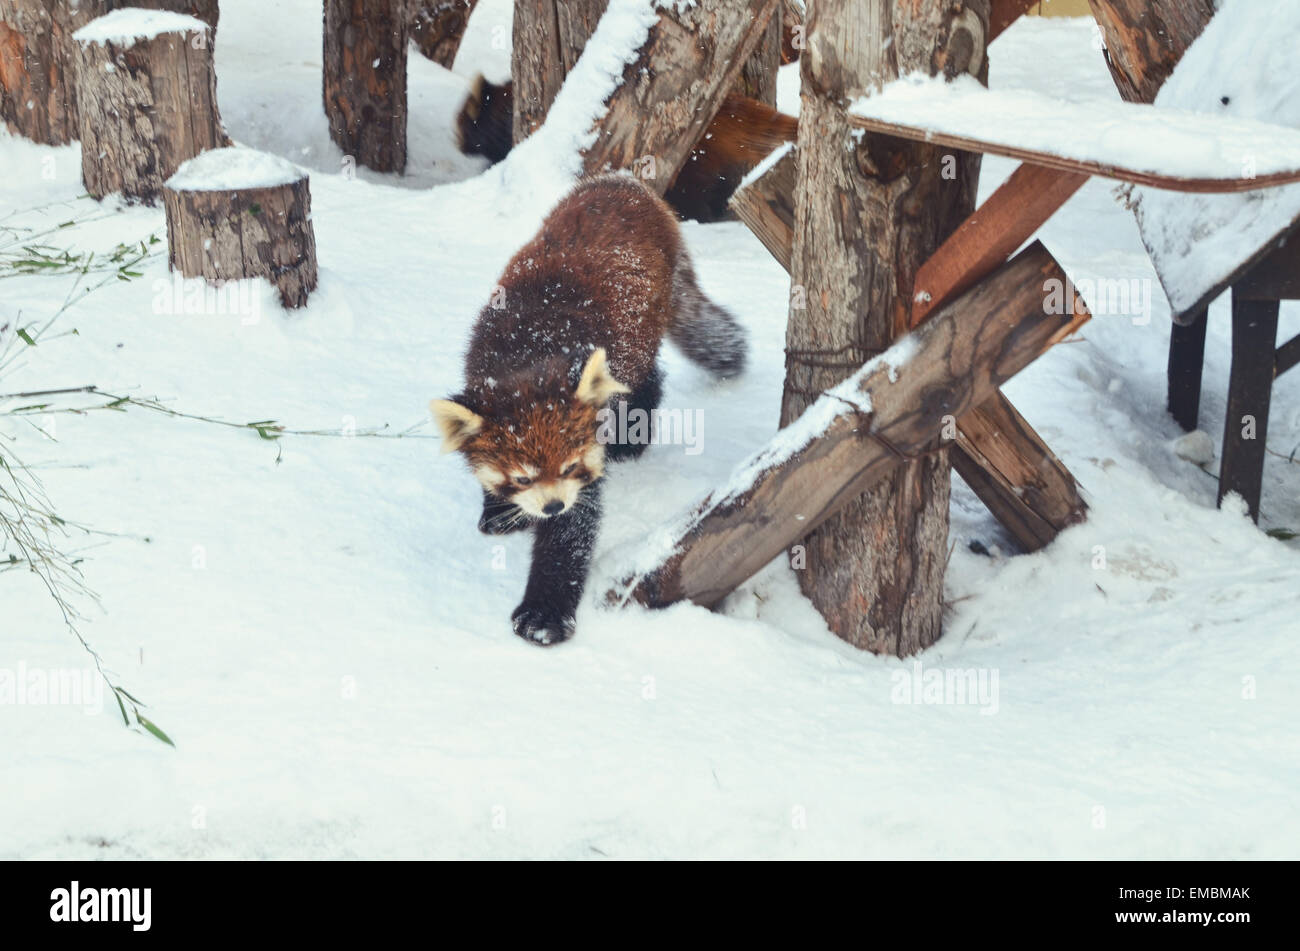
<point>859,436</point>
<point>869,211</point>
<point>1145,39</point>
<point>364,80</point>
<point>437,27</point>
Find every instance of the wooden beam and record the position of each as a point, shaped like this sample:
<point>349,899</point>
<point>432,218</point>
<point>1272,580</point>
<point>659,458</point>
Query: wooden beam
<point>655,115</point>
<point>1250,391</point>
<point>998,454</point>
<point>1288,355</point>
<point>1183,371</point>
<point>1006,12</point>
<point>1145,39</point>
<point>852,438</point>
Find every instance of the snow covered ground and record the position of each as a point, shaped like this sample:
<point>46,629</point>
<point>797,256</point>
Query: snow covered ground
<point>317,624</point>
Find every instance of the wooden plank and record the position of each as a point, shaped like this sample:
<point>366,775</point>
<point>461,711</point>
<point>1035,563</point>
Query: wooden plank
<point>894,405</point>
<point>1145,39</point>
<point>965,116</point>
<point>1276,276</point>
<point>1288,355</point>
<point>1009,218</point>
<point>1250,390</point>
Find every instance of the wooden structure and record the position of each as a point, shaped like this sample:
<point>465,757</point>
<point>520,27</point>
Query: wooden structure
<point>1202,245</point>
<point>364,80</point>
<point>37,61</point>
<point>146,99</point>
<point>807,473</point>
<point>235,213</point>
<point>437,27</point>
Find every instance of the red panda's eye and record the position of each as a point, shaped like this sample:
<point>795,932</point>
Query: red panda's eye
<point>523,480</point>
<point>569,468</point>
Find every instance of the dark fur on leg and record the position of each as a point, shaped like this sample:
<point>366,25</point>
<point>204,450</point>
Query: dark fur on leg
<point>645,397</point>
<point>562,548</point>
<point>501,517</point>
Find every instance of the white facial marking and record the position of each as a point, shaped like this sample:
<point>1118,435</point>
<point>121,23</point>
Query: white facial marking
<point>535,498</point>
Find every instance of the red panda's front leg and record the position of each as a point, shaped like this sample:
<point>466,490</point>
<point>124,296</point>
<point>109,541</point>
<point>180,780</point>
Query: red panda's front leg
<point>562,548</point>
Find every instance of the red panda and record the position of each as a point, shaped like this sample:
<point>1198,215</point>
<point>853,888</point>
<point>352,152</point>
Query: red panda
<point>577,319</point>
<point>742,132</point>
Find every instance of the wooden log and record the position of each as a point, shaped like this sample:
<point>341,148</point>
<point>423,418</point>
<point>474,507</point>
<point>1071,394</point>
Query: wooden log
<point>1145,39</point>
<point>236,213</point>
<point>1006,12</point>
<point>364,80</point>
<point>998,454</point>
<point>1250,391</point>
<point>144,105</point>
<point>437,27</point>
<point>671,91</point>
<point>758,75</point>
<point>1184,369</point>
<point>549,36</point>
<point>894,405</point>
<point>869,211</point>
<point>37,65</point>
<point>792,35</point>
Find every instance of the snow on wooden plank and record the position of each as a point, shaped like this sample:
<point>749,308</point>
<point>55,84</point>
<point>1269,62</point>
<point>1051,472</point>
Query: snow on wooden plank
<point>1163,148</point>
<point>853,435</point>
<point>1241,68</point>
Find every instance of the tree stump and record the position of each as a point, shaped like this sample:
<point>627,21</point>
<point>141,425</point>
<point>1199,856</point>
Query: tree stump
<point>437,27</point>
<point>147,99</point>
<point>37,60</point>
<point>364,80</point>
<point>235,213</point>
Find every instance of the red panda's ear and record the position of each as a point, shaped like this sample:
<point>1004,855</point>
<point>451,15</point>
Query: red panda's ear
<point>597,384</point>
<point>456,422</point>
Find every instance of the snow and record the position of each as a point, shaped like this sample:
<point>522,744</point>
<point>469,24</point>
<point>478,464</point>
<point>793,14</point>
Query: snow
<point>765,166</point>
<point>233,168</point>
<point>128,24</point>
<point>1198,242</point>
<point>318,625</point>
<point>1165,141</point>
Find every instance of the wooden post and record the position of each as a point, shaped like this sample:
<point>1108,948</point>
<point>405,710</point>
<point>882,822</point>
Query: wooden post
<point>859,435</point>
<point>766,205</point>
<point>758,75</point>
<point>235,213</point>
<point>1186,362</point>
<point>364,80</point>
<point>437,27</point>
<point>548,38</point>
<point>144,105</point>
<point>1145,39</point>
<point>1250,391</point>
<point>869,211</point>
<point>37,62</point>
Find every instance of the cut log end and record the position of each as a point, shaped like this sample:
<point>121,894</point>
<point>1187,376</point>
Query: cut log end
<point>235,214</point>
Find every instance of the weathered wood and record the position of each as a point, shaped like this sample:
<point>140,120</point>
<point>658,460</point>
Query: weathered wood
<point>1275,274</point>
<point>766,205</point>
<point>1250,391</point>
<point>1018,208</point>
<point>1186,362</point>
<point>1288,355</point>
<point>1145,39</point>
<point>792,30</point>
<point>997,452</point>
<point>672,89</point>
<point>1005,13</point>
<point>231,234</point>
<point>144,106</point>
<point>953,362</point>
<point>364,80</point>
<point>869,211</point>
<point>437,27</point>
<point>548,38</point>
<point>757,78</point>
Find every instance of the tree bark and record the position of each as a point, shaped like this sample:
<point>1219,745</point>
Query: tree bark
<point>37,63</point>
<point>364,80</point>
<point>437,27</point>
<point>758,75</point>
<point>233,234</point>
<point>548,38</point>
<point>144,107</point>
<point>959,358</point>
<point>869,211</point>
<point>1145,39</point>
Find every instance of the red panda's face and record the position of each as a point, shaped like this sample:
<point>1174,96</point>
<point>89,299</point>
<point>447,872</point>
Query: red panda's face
<point>540,451</point>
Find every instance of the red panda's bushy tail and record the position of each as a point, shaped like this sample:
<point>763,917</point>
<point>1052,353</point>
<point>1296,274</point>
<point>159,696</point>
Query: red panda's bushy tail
<point>707,333</point>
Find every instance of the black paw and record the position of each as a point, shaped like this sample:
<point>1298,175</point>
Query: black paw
<point>540,624</point>
<point>502,518</point>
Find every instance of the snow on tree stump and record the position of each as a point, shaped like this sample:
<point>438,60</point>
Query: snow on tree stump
<point>236,213</point>
<point>364,80</point>
<point>146,99</point>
